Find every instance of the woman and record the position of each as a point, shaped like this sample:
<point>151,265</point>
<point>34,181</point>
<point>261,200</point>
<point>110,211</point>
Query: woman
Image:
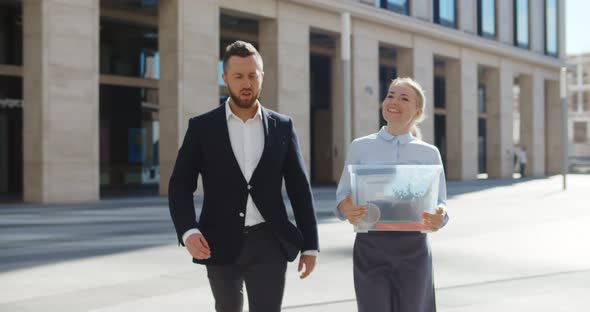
<point>393,270</point>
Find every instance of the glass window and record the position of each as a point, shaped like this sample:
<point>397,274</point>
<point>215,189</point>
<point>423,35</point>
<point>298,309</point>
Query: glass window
<point>11,132</point>
<point>486,15</point>
<point>586,101</point>
<point>551,27</point>
<point>580,132</point>
<point>386,74</point>
<point>11,35</point>
<point>129,136</point>
<point>521,23</point>
<point>440,136</point>
<point>481,98</point>
<point>481,145</point>
<point>399,6</point>
<point>440,98</point>
<point>128,49</point>
<point>445,13</point>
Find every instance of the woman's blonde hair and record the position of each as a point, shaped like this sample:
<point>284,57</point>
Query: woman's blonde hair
<point>420,102</point>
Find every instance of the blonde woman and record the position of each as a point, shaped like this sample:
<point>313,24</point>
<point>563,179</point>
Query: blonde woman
<point>393,270</point>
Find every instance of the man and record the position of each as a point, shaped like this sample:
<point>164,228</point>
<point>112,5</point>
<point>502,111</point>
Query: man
<point>243,152</point>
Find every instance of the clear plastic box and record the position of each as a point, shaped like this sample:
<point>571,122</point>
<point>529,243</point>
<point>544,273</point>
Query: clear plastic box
<point>395,195</point>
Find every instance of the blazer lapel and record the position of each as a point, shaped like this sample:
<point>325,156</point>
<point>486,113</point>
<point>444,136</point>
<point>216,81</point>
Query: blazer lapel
<point>270,125</point>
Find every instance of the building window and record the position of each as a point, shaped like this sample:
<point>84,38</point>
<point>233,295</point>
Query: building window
<point>439,92</point>
<point>481,98</point>
<point>128,50</point>
<point>521,23</point>
<point>11,34</point>
<point>486,18</point>
<point>551,27</point>
<point>398,6</point>
<point>575,101</point>
<point>586,101</point>
<point>445,13</point>
<point>580,132</point>
<point>129,136</point>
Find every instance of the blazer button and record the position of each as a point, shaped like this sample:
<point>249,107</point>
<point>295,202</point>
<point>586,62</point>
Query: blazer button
<point>241,214</point>
<point>249,187</point>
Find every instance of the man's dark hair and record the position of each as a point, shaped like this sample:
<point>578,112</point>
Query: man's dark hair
<point>241,49</point>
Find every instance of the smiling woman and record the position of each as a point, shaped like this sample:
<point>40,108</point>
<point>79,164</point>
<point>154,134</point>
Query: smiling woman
<point>403,107</point>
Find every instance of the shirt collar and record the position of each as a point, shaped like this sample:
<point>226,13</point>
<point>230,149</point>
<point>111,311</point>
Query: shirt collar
<point>229,113</point>
<point>385,135</point>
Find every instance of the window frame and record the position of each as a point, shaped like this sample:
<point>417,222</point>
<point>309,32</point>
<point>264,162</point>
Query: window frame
<point>545,29</point>
<point>392,7</point>
<point>436,16</point>
<point>515,24</point>
<point>480,31</point>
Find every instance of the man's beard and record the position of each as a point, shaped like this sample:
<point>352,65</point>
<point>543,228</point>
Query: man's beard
<point>246,103</point>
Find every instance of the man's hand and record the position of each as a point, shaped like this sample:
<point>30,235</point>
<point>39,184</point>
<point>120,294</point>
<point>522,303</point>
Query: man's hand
<point>350,211</point>
<point>197,246</point>
<point>433,222</point>
<point>308,262</point>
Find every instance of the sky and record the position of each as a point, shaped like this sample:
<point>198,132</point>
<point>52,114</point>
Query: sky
<point>577,26</point>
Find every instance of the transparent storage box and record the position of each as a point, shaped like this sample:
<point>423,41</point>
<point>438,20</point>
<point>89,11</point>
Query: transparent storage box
<point>395,195</point>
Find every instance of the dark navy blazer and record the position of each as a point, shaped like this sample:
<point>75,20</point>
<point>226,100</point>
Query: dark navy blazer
<point>207,151</point>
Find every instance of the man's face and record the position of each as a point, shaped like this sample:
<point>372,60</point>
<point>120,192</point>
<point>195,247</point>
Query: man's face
<point>244,80</point>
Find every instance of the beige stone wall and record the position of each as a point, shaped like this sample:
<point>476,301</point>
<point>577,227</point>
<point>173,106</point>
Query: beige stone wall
<point>365,81</point>
<point>421,9</point>
<point>537,26</point>
<point>505,18</point>
<point>189,53</point>
<point>467,16</point>
<point>60,114</point>
<point>553,128</point>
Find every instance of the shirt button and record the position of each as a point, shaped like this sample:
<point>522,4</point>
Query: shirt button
<point>241,214</point>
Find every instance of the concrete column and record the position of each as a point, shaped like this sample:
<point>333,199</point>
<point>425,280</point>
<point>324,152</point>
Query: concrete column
<point>189,47</point>
<point>60,113</point>
<point>405,63</point>
<point>293,75</point>
<point>338,147</point>
<point>505,18</point>
<point>537,159</point>
<point>365,83</point>
<point>461,87</point>
<point>267,46</point>
<point>423,73</point>
<point>537,26</point>
<point>467,11</point>
<point>421,9</point>
<point>532,119</point>
<point>500,105</point>
<point>553,128</point>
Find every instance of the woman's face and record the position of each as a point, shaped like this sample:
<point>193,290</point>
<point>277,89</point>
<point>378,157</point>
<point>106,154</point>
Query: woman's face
<point>400,106</point>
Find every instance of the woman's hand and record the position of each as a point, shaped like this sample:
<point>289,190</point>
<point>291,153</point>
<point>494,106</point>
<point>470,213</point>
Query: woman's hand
<point>434,222</point>
<point>350,211</point>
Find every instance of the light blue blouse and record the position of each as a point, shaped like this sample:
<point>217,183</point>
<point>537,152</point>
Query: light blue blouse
<point>383,148</point>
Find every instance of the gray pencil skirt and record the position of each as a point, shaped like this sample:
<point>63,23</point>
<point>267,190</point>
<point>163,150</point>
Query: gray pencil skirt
<point>393,272</point>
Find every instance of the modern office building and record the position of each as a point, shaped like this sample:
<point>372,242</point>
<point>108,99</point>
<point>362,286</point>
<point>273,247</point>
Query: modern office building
<point>96,94</point>
<point>579,111</point>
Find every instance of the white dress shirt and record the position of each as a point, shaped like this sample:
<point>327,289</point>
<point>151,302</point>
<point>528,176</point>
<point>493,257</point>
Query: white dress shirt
<point>247,142</point>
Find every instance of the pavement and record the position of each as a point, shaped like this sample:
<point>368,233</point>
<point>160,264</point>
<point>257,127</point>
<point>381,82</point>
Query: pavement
<point>510,245</point>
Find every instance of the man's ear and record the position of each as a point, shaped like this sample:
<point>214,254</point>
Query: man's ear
<point>224,77</point>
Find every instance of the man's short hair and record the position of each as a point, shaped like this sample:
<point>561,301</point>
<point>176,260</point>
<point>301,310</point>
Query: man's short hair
<point>241,49</point>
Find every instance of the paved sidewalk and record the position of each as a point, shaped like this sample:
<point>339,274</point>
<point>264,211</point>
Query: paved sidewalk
<point>518,245</point>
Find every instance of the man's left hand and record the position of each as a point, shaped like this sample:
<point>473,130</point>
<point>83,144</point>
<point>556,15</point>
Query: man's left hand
<point>308,262</point>
<point>434,222</point>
